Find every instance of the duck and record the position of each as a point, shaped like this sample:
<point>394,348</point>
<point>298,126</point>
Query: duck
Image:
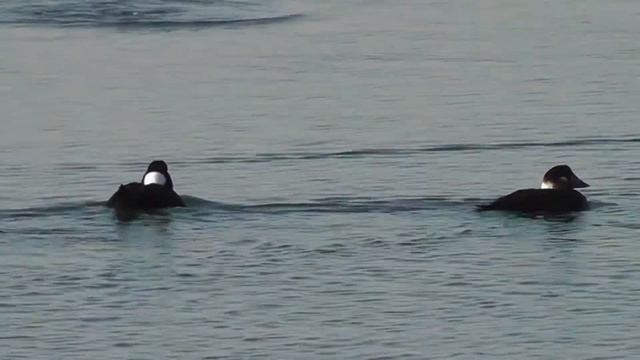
<point>556,194</point>
<point>154,191</point>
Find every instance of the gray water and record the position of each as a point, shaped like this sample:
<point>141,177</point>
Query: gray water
<point>331,154</point>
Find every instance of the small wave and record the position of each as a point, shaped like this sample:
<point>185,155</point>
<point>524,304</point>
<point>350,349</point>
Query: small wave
<point>396,152</point>
<point>175,25</point>
<point>336,205</point>
<point>54,209</point>
<point>199,207</point>
<point>140,14</point>
<point>328,205</point>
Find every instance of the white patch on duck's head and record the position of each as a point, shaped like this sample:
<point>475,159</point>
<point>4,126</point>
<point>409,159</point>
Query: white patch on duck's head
<point>560,184</point>
<point>154,177</point>
<point>546,185</point>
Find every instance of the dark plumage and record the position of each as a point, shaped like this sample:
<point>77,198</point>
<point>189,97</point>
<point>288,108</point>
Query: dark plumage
<point>136,196</point>
<point>540,200</point>
<point>557,195</point>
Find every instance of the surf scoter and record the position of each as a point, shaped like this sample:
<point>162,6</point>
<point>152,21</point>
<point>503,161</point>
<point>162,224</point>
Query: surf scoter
<point>155,191</point>
<point>556,194</point>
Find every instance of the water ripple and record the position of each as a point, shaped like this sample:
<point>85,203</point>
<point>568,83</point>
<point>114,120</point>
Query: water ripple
<point>398,152</point>
<point>326,205</point>
<point>141,14</point>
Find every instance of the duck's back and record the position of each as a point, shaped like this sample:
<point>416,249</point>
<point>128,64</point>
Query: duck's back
<point>157,196</point>
<point>540,200</point>
<point>136,196</point>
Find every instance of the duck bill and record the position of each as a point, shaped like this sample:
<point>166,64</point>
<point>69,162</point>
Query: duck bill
<point>576,183</point>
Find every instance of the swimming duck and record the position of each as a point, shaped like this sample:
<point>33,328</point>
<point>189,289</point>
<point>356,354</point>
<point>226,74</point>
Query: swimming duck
<point>155,191</point>
<point>556,194</point>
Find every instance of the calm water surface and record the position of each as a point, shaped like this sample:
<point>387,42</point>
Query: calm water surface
<point>331,155</point>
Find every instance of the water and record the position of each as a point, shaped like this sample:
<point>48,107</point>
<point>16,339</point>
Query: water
<point>331,155</point>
